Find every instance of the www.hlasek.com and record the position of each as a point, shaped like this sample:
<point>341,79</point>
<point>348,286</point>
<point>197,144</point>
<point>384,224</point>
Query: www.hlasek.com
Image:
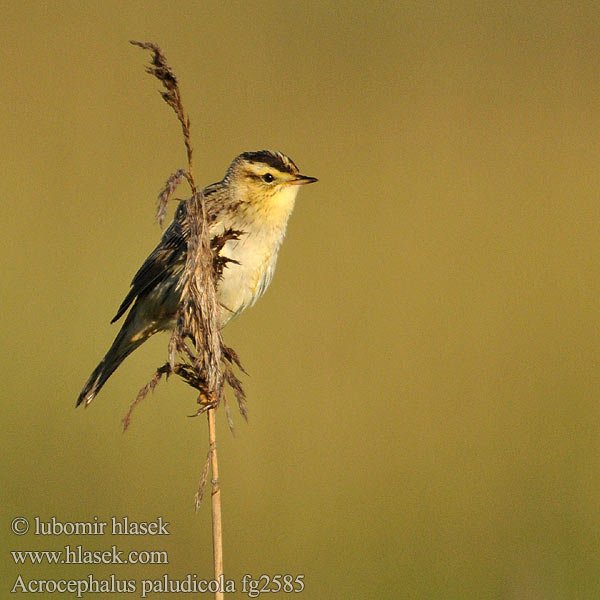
<point>77,555</point>
<point>248,585</point>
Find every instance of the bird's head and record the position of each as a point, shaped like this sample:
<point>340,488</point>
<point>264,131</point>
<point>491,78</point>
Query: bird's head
<point>265,179</point>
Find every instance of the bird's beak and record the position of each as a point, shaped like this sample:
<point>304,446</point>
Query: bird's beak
<point>302,180</point>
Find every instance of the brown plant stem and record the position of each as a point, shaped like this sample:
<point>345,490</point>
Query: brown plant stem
<point>209,366</point>
<point>215,500</point>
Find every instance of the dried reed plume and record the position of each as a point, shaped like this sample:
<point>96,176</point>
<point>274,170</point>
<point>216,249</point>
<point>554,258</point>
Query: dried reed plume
<point>205,363</point>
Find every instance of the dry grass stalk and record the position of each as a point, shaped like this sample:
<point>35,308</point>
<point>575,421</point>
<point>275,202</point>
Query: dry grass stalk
<point>215,500</point>
<point>166,193</point>
<point>208,364</point>
<point>149,387</point>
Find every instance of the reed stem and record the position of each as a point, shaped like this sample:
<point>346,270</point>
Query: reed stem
<point>215,501</point>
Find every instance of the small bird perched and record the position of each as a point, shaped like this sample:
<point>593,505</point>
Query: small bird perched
<point>256,197</point>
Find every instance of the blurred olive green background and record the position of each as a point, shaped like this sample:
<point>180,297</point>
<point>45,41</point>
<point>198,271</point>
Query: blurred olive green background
<point>424,415</point>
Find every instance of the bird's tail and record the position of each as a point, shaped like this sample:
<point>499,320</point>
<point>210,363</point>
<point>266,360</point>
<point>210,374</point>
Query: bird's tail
<point>125,343</point>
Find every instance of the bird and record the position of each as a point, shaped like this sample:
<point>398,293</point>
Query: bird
<point>255,198</point>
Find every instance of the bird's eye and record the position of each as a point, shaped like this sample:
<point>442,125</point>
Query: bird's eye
<point>268,177</point>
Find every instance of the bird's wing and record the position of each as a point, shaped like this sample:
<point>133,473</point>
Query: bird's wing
<point>165,258</point>
<point>170,254</point>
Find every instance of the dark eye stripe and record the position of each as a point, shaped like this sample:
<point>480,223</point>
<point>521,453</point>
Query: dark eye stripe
<point>254,176</point>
